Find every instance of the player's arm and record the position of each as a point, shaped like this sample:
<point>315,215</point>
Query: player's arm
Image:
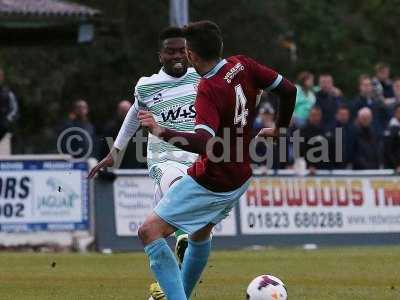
<point>207,122</point>
<point>271,81</point>
<point>195,142</point>
<point>128,129</point>
<point>286,91</point>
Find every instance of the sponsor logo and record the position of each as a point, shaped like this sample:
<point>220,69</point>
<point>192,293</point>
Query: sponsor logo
<point>61,197</point>
<point>179,113</point>
<point>233,72</point>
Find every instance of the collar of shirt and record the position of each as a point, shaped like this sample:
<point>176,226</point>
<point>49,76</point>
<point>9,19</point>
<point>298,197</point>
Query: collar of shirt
<point>164,74</point>
<point>215,69</point>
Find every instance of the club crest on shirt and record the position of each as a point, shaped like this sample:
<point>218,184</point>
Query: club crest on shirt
<point>195,86</point>
<point>157,98</point>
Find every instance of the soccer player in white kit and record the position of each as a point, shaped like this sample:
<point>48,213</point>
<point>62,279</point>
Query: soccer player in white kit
<point>170,96</point>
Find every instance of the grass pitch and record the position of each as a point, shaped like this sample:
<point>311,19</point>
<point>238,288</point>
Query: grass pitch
<point>325,274</point>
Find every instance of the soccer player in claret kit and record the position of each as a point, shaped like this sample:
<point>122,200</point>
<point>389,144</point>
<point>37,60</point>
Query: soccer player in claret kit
<point>226,105</point>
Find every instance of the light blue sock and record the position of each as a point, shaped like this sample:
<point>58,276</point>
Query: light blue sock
<point>165,268</point>
<point>194,262</point>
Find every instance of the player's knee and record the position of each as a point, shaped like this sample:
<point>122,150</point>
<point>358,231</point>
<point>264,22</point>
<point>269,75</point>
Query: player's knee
<point>144,233</point>
<point>149,232</point>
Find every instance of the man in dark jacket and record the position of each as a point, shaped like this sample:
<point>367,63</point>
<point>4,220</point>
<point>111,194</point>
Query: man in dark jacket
<point>392,142</point>
<point>77,135</point>
<point>341,140</point>
<point>8,115</point>
<point>366,153</point>
<point>367,99</point>
<point>328,99</point>
<point>315,148</point>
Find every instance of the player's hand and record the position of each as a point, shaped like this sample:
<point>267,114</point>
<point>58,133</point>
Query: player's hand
<point>147,120</point>
<point>107,161</point>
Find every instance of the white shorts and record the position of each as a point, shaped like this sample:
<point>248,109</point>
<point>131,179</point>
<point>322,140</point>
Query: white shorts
<point>166,175</point>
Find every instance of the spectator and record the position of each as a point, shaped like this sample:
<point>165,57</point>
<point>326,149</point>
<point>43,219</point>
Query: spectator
<point>305,98</point>
<point>8,115</point>
<point>392,142</point>
<point>366,150</point>
<point>367,99</point>
<point>271,99</point>
<point>391,103</point>
<point>131,158</point>
<point>343,159</point>
<point>79,135</point>
<point>383,86</point>
<point>265,118</point>
<point>314,136</point>
<point>328,99</point>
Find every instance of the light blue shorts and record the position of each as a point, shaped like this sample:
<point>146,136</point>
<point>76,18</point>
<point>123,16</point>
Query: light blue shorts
<point>189,206</point>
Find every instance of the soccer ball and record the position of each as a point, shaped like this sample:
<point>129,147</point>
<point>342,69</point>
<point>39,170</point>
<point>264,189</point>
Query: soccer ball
<point>266,287</point>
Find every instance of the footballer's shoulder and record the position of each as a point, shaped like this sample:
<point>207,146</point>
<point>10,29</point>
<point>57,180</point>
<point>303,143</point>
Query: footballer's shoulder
<point>146,80</point>
<point>238,57</point>
<point>244,59</point>
<point>192,71</point>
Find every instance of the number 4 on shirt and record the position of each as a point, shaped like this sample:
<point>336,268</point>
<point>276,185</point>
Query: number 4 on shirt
<point>241,112</point>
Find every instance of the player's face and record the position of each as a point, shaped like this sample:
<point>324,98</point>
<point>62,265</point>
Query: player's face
<point>192,59</point>
<point>173,57</point>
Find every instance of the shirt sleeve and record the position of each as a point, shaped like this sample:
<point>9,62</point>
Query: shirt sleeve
<point>265,77</point>
<point>129,126</point>
<point>207,115</point>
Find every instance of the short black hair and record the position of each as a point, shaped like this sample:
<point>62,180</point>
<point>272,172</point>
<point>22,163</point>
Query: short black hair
<point>204,38</point>
<point>168,33</point>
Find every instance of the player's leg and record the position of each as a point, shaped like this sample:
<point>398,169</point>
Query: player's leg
<point>172,172</point>
<point>196,258</point>
<point>165,175</point>
<point>162,261</point>
<point>193,208</point>
<point>199,245</point>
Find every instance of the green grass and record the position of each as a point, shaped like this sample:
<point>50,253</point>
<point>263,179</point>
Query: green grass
<point>331,273</point>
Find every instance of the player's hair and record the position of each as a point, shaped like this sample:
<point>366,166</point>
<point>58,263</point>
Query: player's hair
<point>204,38</point>
<point>168,33</point>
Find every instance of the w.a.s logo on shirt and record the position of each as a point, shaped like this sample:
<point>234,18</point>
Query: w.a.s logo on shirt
<point>179,113</point>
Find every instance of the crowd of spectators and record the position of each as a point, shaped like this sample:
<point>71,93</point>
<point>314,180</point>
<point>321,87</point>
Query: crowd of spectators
<point>342,132</point>
<point>335,131</point>
<point>77,136</point>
